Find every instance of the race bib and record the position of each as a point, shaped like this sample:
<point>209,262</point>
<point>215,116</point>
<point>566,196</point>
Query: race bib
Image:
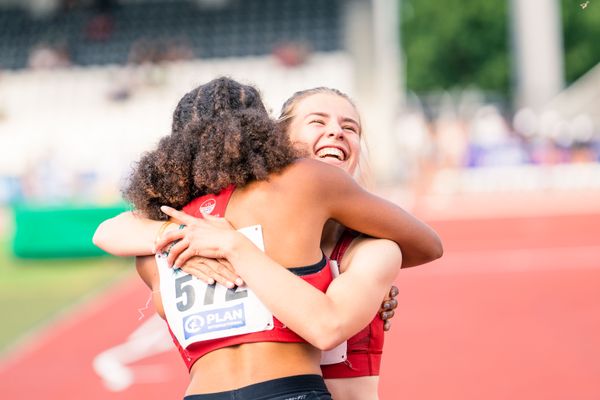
<point>197,311</point>
<point>339,353</point>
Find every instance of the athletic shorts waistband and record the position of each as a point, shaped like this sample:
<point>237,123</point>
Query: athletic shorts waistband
<point>298,387</point>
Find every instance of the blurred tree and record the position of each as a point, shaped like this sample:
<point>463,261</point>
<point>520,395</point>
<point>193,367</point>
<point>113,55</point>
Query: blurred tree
<point>456,44</point>
<point>581,21</point>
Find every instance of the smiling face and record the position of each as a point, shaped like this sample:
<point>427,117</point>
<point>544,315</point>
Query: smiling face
<point>329,126</point>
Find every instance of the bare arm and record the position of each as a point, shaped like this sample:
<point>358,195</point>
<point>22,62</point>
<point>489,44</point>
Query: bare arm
<point>127,234</point>
<point>335,315</point>
<point>352,206</point>
<point>336,195</point>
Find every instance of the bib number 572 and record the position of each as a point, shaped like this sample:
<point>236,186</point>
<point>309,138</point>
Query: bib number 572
<point>186,294</point>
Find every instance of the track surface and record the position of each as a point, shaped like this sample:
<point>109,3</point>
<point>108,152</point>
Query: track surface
<point>512,310</point>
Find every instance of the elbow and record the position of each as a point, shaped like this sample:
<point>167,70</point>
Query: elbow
<point>101,240</point>
<point>431,252</point>
<point>328,336</point>
<point>437,249</point>
<point>434,249</point>
<point>98,238</point>
<point>329,344</point>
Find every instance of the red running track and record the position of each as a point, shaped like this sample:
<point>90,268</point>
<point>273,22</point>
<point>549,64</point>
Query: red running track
<point>512,311</point>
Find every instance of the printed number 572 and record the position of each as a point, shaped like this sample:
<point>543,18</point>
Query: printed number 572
<point>185,293</point>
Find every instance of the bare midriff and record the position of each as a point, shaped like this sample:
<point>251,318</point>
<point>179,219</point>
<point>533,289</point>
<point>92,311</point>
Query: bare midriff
<point>242,365</point>
<point>245,364</point>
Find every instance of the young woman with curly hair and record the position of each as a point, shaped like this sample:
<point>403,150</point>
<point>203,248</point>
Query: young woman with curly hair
<point>319,191</point>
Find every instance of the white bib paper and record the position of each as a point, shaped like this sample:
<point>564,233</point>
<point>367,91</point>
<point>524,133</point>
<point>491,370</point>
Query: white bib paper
<point>339,353</point>
<point>197,311</point>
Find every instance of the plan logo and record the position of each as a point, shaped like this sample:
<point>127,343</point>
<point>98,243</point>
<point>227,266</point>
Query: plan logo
<point>214,320</point>
<point>208,206</point>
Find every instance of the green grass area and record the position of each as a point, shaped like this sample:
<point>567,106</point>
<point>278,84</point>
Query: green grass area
<point>34,291</point>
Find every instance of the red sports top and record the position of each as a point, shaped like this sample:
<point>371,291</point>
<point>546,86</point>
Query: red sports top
<point>364,348</point>
<point>319,275</point>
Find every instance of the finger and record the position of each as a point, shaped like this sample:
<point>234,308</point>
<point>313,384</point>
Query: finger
<point>217,222</point>
<point>387,305</point>
<point>183,257</point>
<point>213,218</point>
<point>208,268</point>
<point>387,315</point>
<point>210,217</point>
<point>222,271</point>
<point>192,270</point>
<point>167,238</point>
<point>394,291</point>
<point>238,280</point>
<point>176,249</point>
<point>393,304</point>
<point>387,325</point>
<point>181,216</point>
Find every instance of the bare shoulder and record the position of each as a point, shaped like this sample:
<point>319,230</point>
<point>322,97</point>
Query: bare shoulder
<point>315,174</point>
<point>309,167</point>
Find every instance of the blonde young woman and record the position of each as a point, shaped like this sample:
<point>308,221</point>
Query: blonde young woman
<point>328,125</point>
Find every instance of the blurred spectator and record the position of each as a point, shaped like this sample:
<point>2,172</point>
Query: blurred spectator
<point>145,51</point>
<point>44,56</point>
<point>155,51</point>
<point>415,143</point>
<point>492,142</point>
<point>450,137</point>
<point>177,50</point>
<point>101,26</point>
<point>292,54</point>
<point>582,130</point>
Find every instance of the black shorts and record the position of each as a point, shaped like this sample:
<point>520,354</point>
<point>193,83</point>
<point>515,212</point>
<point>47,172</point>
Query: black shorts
<point>300,387</point>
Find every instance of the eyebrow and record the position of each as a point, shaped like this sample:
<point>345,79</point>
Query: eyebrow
<point>325,115</point>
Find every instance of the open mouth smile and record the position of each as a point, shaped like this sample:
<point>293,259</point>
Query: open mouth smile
<point>333,152</point>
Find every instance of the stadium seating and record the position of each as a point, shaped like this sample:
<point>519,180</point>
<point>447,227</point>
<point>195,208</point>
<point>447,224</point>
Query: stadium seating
<point>242,28</point>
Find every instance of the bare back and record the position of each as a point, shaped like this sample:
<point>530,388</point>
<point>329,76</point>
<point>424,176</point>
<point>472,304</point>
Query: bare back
<point>287,209</point>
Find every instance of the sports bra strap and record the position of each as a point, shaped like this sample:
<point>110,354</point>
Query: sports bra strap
<point>343,243</point>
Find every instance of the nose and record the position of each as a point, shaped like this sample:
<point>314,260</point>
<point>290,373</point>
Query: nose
<point>334,130</point>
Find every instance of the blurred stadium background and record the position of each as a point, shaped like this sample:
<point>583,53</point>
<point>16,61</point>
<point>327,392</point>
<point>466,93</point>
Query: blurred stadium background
<point>481,117</point>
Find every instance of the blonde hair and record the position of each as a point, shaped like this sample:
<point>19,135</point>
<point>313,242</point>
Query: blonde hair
<point>363,173</point>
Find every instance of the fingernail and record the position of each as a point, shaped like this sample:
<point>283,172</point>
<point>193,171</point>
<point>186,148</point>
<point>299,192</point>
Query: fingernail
<point>211,281</point>
<point>239,282</point>
<point>230,284</point>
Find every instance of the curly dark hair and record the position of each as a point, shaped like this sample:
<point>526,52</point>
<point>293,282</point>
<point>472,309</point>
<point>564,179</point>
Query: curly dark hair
<point>221,135</point>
